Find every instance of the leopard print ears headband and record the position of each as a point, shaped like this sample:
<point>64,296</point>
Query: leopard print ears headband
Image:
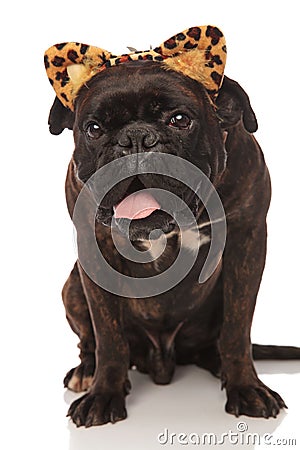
<point>198,52</point>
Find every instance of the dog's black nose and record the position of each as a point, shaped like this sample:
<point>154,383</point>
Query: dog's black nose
<point>137,139</point>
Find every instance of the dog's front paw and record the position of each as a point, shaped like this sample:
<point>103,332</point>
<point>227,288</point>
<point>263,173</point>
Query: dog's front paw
<point>97,409</point>
<point>254,400</point>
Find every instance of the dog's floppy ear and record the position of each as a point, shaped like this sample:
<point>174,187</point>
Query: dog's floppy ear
<point>60,117</point>
<point>233,104</point>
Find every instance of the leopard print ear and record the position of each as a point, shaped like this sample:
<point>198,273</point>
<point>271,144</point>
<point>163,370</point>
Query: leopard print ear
<point>70,65</point>
<point>198,52</point>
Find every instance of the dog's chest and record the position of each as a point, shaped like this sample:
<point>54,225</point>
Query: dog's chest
<point>178,260</point>
<point>181,295</point>
<point>164,251</point>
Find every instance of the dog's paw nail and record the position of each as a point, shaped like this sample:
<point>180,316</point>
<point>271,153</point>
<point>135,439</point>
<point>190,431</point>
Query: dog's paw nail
<point>89,422</point>
<point>78,422</point>
<point>236,411</point>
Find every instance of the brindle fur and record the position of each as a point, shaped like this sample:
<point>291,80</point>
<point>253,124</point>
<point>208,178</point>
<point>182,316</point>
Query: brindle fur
<point>205,324</point>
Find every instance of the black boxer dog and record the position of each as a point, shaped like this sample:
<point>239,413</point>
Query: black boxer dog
<point>139,107</point>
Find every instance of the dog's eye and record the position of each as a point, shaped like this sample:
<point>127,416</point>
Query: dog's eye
<point>181,121</point>
<point>93,130</point>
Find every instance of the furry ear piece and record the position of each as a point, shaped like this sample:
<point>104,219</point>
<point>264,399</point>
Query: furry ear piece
<point>60,118</point>
<point>233,104</point>
<point>198,52</point>
<point>69,65</point>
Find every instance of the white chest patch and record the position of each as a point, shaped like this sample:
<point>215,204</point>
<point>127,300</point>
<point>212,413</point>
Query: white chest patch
<point>158,246</point>
<point>192,239</point>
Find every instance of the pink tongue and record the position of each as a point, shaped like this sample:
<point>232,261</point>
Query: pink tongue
<point>137,205</point>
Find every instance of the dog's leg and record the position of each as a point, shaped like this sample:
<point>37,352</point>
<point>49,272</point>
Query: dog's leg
<point>244,258</point>
<point>105,401</point>
<point>209,358</point>
<point>80,378</point>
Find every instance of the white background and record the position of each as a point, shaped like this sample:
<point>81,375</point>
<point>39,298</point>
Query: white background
<point>37,238</point>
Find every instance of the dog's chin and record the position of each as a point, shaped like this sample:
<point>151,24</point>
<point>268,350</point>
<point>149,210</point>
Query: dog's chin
<point>151,227</point>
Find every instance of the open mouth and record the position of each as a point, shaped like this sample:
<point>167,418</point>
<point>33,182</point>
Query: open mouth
<point>135,203</point>
<point>140,210</point>
<point>138,203</point>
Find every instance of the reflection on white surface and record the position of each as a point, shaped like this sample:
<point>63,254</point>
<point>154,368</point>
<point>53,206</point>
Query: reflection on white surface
<point>192,404</point>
